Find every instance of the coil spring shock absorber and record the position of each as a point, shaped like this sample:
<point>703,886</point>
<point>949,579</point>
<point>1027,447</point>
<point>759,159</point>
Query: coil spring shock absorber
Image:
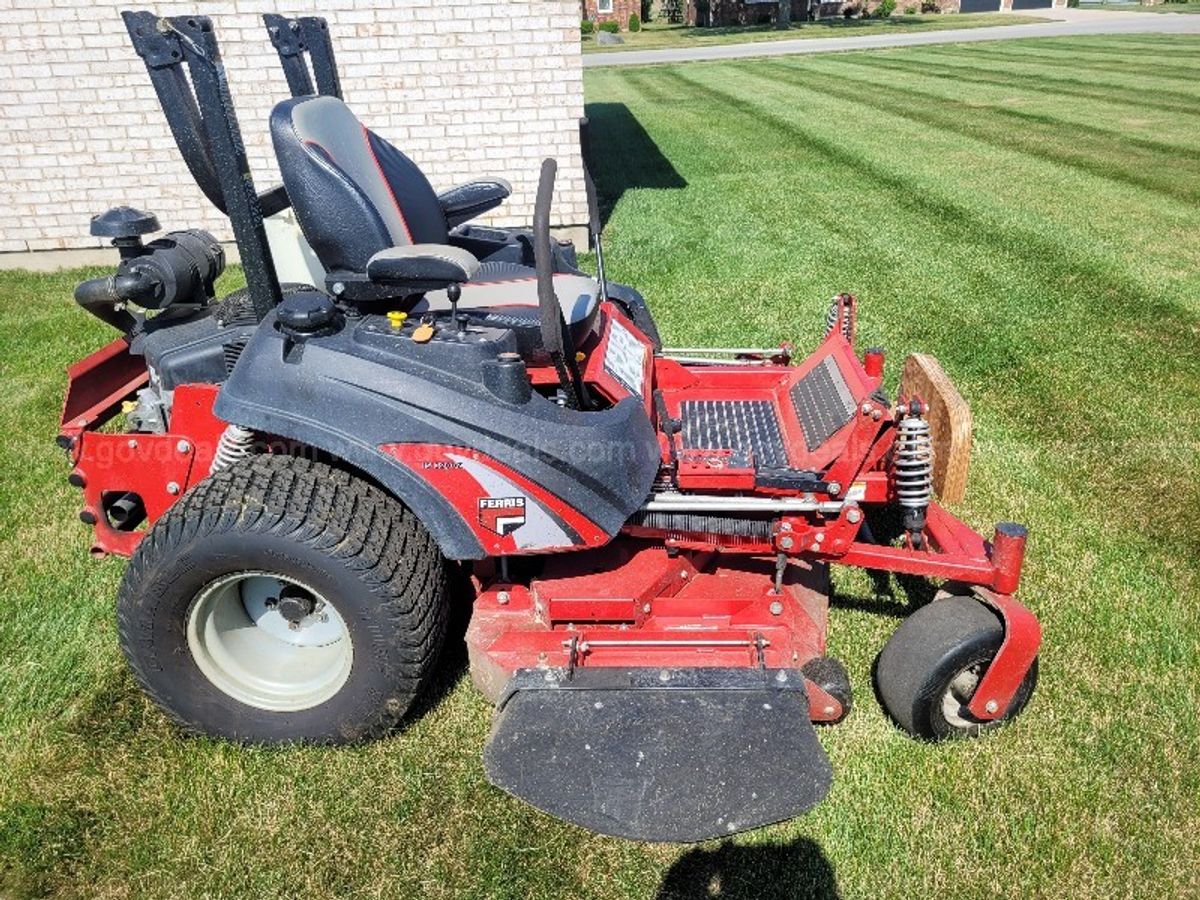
<point>841,316</point>
<point>912,461</point>
<point>235,443</point>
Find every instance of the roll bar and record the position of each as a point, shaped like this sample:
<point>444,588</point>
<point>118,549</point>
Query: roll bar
<point>160,49</point>
<point>201,116</point>
<point>292,39</point>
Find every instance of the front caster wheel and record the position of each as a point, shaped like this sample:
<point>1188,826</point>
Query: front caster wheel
<point>830,676</point>
<point>930,667</point>
<point>283,600</point>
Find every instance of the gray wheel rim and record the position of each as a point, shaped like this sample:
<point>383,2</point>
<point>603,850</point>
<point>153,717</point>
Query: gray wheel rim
<point>958,694</point>
<point>249,651</point>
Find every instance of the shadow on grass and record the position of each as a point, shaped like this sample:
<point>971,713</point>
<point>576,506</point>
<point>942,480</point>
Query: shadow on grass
<point>38,841</point>
<point>885,526</point>
<point>914,593</point>
<point>624,157</point>
<point>731,872</point>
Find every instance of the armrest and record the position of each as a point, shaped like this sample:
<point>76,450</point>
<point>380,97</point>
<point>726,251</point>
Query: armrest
<point>422,267</point>
<point>465,202</point>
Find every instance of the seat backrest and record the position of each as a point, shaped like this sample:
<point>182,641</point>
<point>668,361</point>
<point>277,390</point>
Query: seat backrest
<point>353,193</point>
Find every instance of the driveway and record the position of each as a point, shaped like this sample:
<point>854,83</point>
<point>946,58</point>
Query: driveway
<point>1067,22</point>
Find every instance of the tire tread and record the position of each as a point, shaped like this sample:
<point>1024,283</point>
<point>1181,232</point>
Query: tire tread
<point>344,518</point>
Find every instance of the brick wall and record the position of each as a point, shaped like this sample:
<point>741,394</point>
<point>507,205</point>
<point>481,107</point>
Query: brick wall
<point>465,87</point>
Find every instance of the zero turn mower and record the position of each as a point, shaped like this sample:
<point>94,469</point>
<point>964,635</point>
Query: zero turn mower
<point>297,471</point>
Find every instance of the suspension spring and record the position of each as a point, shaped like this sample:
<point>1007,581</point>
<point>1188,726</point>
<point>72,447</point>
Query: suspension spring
<point>841,314</point>
<point>235,443</point>
<point>913,462</point>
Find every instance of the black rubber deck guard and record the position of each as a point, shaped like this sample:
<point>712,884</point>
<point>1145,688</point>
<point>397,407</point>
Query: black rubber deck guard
<point>659,754</point>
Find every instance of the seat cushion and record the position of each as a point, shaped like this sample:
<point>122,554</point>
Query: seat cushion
<point>354,194</point>
<point>498,286</point>
<point>432,264</point>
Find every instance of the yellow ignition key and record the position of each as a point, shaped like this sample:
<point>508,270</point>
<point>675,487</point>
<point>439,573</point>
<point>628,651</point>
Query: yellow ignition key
<point>423,334</point>
<point>396,319</point>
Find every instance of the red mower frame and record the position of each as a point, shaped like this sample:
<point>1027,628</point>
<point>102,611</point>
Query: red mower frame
<point>669,586</point>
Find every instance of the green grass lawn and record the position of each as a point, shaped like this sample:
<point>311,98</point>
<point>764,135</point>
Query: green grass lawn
<point>1026,212</point>
<point>662,35</point>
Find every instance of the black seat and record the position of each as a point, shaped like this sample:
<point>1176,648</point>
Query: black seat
<point>356,196</point>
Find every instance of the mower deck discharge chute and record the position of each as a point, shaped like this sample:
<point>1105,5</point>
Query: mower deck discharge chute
<point>403,401</point>
<point>659,754</point>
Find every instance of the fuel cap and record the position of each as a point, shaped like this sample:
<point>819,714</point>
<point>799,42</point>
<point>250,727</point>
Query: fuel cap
<point>305,313</point>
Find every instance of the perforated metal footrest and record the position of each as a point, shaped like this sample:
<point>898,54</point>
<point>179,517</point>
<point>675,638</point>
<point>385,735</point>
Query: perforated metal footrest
<point>737,425</point>
<point>659,754</point>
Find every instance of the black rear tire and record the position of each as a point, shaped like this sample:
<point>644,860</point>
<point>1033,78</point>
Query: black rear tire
<point>925,672</point>
<point>345,540</point>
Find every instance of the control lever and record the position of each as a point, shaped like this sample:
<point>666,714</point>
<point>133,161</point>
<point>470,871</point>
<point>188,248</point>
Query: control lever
<point>595,223</point>
<point>671,428</point>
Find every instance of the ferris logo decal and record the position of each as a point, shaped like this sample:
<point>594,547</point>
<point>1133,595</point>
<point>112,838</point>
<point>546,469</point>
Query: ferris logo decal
<point>503,515</point>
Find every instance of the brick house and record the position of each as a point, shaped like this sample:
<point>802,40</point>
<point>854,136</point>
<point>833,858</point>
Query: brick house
<point>740,12</point>
<point>465,87</point>
<point>617,11</point>
<point>764,12</point>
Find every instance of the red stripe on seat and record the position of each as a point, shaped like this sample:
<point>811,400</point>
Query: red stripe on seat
<point>388,184</point>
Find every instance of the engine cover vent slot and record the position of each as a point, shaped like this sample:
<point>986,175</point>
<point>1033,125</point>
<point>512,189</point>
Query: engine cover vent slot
<point>232,351</point>
<point>236,309</point>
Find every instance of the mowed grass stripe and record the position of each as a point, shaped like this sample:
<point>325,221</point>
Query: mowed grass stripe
<point>1125,45</point>
<point>1047,64</point>
<point>1178,72</point>
<point>809,109</point>
<point>1103,152</point>
<point>935,65</point>
<point>1114,48</point>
